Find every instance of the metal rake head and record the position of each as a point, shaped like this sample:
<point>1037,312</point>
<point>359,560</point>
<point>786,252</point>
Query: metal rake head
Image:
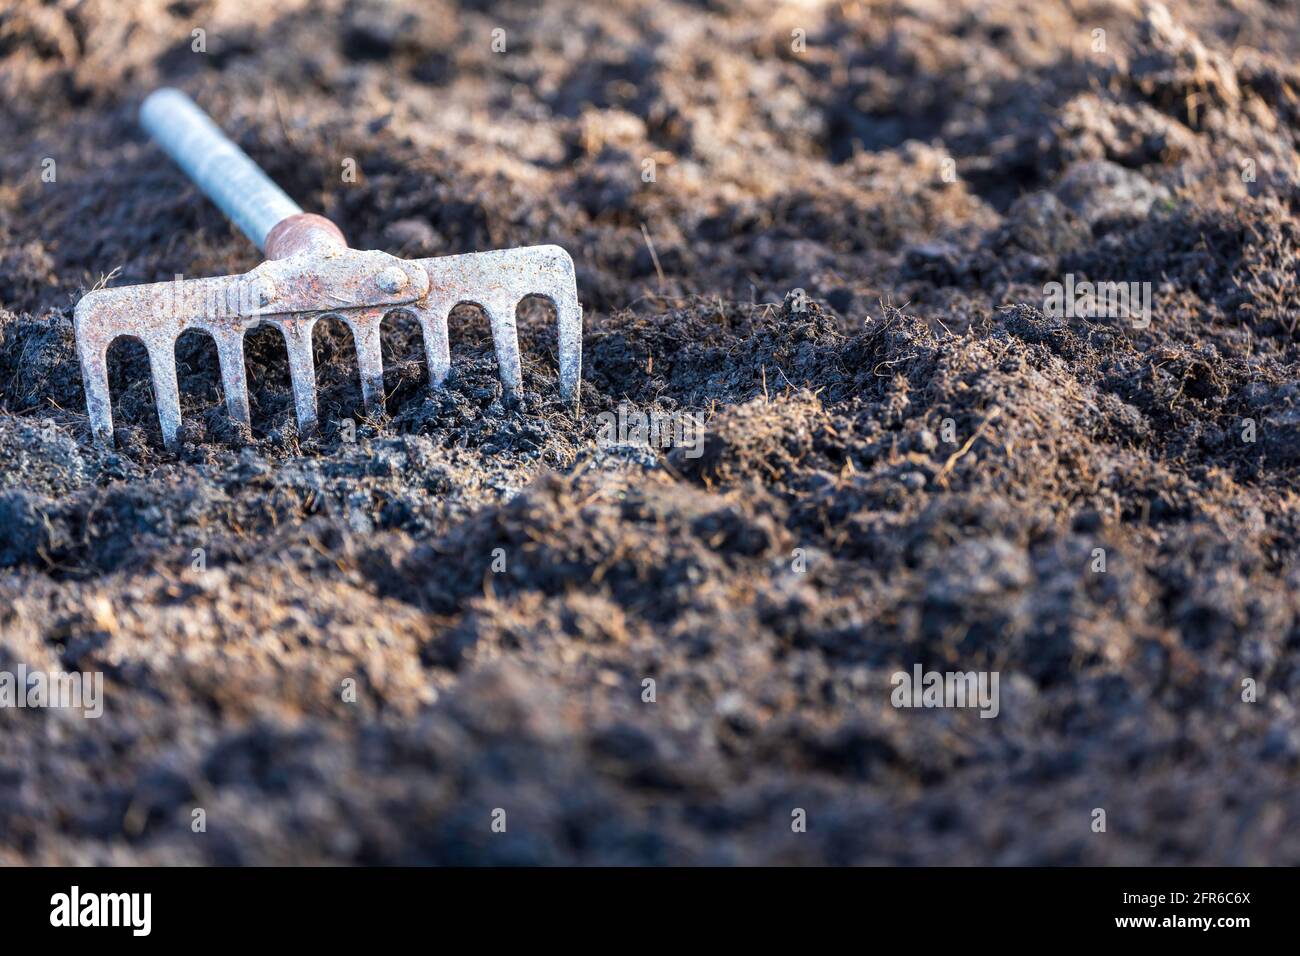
<point>310,274</point>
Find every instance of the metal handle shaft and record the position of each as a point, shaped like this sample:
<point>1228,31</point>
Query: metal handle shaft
<point>216,165</point>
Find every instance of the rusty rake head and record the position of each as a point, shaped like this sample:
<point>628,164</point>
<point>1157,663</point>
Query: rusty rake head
<point>310,273</point>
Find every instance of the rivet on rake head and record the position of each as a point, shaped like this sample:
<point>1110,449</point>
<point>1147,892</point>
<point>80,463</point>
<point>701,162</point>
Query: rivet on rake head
<point>391,280</point>
<point>265,291</point>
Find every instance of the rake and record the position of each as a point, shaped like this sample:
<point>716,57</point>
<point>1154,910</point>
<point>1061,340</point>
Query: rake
<point>309,274</point>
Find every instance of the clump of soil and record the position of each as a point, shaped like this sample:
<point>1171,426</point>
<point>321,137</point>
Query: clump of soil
<point>826,233</point>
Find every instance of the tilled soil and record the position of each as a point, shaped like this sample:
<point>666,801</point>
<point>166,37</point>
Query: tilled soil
<point>826,229</point>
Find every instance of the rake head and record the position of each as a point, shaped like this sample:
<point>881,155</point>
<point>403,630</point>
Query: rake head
<point>310,274</point>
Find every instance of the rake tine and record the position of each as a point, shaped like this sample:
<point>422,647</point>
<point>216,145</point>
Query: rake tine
<point>162,362</point>
<point>365,327</point>
<point>99,407</point>
<point>568,333</point>
<point>505,339</point>
<point>230,355</point>
<point>437,343</point>
<point>302,372</point>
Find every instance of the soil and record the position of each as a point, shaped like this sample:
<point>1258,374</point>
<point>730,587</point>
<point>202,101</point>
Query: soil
<point>357,646</point>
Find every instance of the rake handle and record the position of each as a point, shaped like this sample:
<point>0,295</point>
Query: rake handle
<point>261,209</point>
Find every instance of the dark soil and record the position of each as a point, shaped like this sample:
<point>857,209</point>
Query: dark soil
<point>942,456</point>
